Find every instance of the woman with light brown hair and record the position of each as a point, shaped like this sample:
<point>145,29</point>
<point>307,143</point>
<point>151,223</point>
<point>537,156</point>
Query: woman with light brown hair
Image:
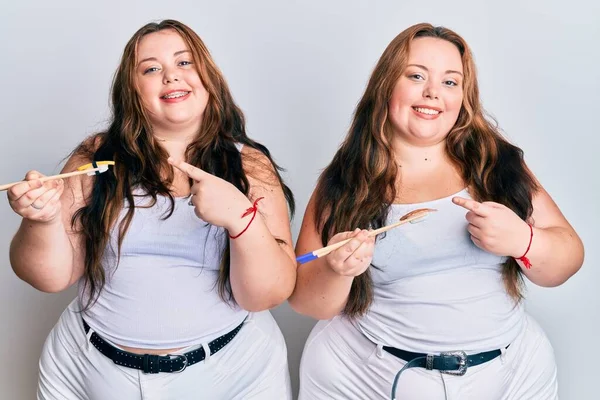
<point>430,310</point>
<point>178,251</point>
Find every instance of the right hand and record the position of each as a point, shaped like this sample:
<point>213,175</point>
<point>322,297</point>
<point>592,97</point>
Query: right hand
<point>353,258</point>
<point>215,200</point>
<point>36,201</point>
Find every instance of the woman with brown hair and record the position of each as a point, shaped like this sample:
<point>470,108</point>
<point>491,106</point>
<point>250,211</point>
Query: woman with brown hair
<point>178,251</point>
<point>430,310</point>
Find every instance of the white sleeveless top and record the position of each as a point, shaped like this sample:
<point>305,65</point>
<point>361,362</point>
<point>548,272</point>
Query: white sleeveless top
<point>163,292</point>
<point>435,290</point>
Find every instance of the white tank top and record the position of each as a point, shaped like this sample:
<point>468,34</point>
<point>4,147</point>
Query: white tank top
<point>435,290</point>
<point>163,293</point>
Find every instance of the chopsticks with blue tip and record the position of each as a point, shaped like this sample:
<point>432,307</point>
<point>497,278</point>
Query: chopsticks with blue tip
<point>411,217</point>
<point>94,168</point>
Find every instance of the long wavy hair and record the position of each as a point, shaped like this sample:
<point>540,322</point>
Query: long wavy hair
<point>141,161</point>
<point>357,188</point>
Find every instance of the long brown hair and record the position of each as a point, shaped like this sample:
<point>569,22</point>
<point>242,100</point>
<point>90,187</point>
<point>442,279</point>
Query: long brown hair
<point>141,162</point>
<point>358,186</point>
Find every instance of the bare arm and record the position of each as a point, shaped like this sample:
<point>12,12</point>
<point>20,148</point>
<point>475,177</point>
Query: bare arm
<point>263,271</point>
<point>323,285</point>
<point>45,252</point>
<point>556,251</point>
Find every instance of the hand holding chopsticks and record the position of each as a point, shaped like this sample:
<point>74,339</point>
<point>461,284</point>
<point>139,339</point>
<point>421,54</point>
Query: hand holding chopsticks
<point>38,197</point>
<point>411,217</point>
<point>88,169</point>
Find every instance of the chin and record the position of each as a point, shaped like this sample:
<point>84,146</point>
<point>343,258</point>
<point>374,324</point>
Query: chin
<point>424,133</point>
<point>428,139</point>
<point>182,118</point>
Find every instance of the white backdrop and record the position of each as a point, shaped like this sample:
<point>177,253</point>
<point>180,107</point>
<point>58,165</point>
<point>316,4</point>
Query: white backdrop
<point>297,70</point>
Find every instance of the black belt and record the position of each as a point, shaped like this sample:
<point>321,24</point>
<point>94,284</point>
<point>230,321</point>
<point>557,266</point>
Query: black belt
<point>451,362</point>
<point>152,363</point>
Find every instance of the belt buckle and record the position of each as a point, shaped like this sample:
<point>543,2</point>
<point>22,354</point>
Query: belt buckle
<point>174,357</point>
<point>462,362</point>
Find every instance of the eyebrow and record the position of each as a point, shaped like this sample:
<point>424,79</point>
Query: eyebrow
<point>450,71</point>
<point>174,54</point>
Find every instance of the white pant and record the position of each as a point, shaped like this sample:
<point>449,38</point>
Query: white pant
<point>339,362</point>
<point>252,366</point>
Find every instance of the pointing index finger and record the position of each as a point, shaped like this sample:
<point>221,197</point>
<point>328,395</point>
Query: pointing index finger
<point>470,205</point>
<point>193,172</point>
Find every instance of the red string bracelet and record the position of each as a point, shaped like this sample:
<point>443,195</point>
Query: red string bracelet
<point>252,210</point>
<point>524,259</point>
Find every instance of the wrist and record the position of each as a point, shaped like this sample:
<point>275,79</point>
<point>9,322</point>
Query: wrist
<point>235,218</point>
<point>520,241</point>
<point>55,221</point>
<point>338,275</point>
<point>527,240</point>
<point>241,221</point>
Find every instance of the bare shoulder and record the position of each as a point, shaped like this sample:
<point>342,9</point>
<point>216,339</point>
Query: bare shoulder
<point>546,212</point>
<point>257,166</point>
<point>83,154</point>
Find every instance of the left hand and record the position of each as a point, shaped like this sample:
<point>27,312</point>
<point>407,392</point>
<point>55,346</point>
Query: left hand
<point>495,228</point>
<point>216,201</point>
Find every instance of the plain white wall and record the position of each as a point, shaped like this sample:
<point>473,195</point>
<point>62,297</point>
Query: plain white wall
<point>297,70</point>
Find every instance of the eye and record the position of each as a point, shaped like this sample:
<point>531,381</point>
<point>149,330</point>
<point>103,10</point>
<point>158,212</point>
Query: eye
<point>151,69</point>
<point>184,63</point>
<point>450,83</point>
<point>416,76</point>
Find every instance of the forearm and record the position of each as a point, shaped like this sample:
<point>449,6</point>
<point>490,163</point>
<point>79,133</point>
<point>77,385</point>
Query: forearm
<point>262,272</point>
<point>320,292</point>
<point>41,254</point>
<point>556,254</point>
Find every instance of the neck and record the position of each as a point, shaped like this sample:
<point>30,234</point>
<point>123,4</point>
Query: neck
<point>425,172</point>
<point>421,158</point>
<point>175,139</point>
<point>176,133</point>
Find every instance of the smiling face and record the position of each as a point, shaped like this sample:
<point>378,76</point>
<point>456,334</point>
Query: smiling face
<point>168,82</point>
<point>428,97</point>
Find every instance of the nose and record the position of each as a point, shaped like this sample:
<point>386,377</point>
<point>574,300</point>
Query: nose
<point>431,91</point>
<point>170,76</point>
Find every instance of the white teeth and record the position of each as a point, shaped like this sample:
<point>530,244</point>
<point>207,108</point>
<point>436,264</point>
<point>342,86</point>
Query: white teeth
<point>175,95</point>
<point>427,111</point>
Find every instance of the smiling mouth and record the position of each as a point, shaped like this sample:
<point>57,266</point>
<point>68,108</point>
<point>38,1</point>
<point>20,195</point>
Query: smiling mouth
<point>427,111</point>
<point>175,95</point>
